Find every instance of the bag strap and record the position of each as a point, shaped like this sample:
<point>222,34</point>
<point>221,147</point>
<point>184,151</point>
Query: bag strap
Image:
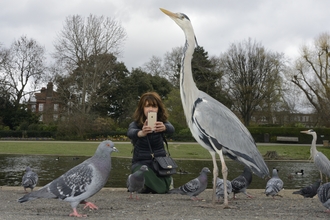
<point>164,139</point>
<point>152,153</point>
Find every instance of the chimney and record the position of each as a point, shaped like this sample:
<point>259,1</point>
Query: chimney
<point>49,92</point>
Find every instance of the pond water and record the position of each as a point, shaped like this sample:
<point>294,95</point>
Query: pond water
<point>50,167</point>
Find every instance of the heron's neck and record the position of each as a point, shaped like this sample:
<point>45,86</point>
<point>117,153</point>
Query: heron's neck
<point>188,87</point>
<point>313,146</point>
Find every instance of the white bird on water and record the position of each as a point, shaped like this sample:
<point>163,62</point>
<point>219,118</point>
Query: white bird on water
<point>211,123</point>
<point>320,160</point>
<point>80,182</point>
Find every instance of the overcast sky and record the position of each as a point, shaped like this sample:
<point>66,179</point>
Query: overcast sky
<point>279,25</point>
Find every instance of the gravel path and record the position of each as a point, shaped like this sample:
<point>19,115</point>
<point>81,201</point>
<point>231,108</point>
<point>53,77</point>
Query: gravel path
<point>113,204</point>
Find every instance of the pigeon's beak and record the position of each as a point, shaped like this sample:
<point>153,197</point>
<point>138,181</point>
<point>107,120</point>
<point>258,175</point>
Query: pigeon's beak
<point>115,149</point>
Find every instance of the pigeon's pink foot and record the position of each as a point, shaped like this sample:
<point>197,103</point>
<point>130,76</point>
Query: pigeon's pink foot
<point>89,205</point>
<point>76,214</point>
<point>130,196</point>
<point>249,196</point>
<point>195,198</point>
<point>327,211</point>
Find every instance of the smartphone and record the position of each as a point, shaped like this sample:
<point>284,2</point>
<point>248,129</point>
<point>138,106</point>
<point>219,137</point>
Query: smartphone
<point>152,118</point>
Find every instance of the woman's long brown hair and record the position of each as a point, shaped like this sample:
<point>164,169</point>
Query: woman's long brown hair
<point>153,99</point>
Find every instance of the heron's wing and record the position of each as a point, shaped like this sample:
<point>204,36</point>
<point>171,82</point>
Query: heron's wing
<point>322,163</point>
<point>220,128</point>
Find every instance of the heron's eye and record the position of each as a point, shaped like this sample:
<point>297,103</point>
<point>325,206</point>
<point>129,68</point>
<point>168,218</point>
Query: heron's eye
<point>182,16</point>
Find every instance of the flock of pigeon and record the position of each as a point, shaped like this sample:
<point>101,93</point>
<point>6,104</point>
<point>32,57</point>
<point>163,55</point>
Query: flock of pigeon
<point>86,179</point>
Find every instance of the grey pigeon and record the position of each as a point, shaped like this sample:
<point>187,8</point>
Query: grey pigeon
<point>29,179</point>
<point>309,191</point>
<point>274,185</point>
<point>135,181</point>
<point>324,195</point>
<point>241,183</point>
<point>219,188</point>
<point>194,187</point>
<point>80,182</point>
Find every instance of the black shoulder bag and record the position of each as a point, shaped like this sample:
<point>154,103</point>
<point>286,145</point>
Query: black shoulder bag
<point>163,166</point>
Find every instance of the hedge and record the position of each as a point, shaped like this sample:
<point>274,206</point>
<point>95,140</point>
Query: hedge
<point>260,135</point>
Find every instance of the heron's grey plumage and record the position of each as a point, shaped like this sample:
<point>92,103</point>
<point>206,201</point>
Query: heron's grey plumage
<point>29,179</point>
<point>320,160</point>
<point>80,182</point>
<point>241,183</point>
<point>274,185</point>
<point>135,181</point>
<point>323,194</point>
<point>219,191</point>
<point>309,191</point>
<point>212,124</point>
<point>194,187</point>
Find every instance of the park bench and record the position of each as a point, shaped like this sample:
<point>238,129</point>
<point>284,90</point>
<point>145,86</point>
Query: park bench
<point>287,139</point>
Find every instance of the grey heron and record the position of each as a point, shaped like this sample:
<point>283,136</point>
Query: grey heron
<point>211,123</point>
<point>320,160</point>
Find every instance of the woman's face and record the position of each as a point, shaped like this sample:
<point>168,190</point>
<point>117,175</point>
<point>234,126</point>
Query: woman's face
<point>149,108</point>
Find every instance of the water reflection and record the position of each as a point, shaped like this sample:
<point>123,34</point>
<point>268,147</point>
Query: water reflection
<point>50,167</point>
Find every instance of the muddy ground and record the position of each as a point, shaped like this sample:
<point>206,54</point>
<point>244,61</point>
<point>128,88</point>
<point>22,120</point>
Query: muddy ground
<point>113,203</point>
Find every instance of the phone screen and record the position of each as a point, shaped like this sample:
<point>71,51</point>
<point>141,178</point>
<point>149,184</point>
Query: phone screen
<point>152,118</point>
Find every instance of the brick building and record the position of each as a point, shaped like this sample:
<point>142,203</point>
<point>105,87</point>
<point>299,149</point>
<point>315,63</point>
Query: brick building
<point>46,104</point>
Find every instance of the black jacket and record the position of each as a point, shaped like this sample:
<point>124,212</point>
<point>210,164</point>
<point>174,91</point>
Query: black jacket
<point>141,152</point>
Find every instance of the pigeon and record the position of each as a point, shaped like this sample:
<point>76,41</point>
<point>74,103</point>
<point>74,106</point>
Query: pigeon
<point>309,191</point>
<point>241,183</point>
<point>324,196</point>
<point>194,187</point>
<point>80,182</point>
<point>135,181</point>
<point>219,189</point>
<point>274,185</point>
<point>29,179</point>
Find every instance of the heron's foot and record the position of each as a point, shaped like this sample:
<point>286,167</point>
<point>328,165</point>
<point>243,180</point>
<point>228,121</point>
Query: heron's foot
<point>228,206</point>
<point>215,206</point>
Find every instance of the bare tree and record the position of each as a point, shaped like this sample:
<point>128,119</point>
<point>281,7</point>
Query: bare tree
<point>252,77</point>
<point>172,65</point>
<point>22,66</point>
<point>311,74</point>
<point>85,50</point>
<point>154,66</point>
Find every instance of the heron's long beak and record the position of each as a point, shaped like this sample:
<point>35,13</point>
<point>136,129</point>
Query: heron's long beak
<point>305,132</point>
<point>171,14</point>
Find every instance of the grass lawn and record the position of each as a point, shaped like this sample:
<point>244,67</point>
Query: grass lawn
<point>177,150</point>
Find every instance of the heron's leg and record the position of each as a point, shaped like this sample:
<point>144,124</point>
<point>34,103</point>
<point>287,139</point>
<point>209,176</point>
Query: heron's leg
<point>215,175</point>
<point>224,176</point>
<point>321,176</point>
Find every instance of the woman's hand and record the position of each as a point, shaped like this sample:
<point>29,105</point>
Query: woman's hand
<point>145,130</point>
<point>159,127</point>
